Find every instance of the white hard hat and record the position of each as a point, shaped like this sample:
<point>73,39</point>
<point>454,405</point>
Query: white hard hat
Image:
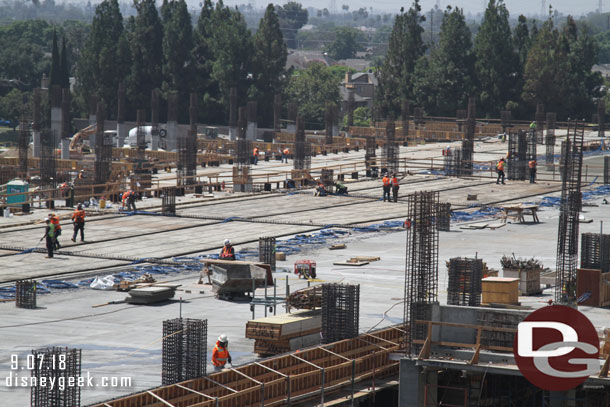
<point>46,219</point>
<point>227,241</point>
<point>223,338</point>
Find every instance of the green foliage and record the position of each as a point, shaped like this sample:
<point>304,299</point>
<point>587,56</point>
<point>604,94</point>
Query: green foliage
<point>269,61</point>
<point>311,89</point>
<point>11,105</point>
<point>603,41</point>
<point>292,17</point>
<point>202,64</point>
<point>522,40</point>
<point>146,44</point>
<point>345,44</point>
<point>445,81</point>
<point>496,61</point>
<point>362,117</point>
<point>177,48</point>
<point>105,59</point>
<point>405,48</point>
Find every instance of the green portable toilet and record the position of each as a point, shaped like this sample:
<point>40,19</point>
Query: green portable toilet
<point>14,187</point>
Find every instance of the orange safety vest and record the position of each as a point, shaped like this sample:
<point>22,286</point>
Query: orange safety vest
<point>55,220</point>
<point>226,252</point>
<point>532,164</point>
<point>220,355</point>
<point>500,166</point>
<point>394,182</point>
<point>386,181</point>
<point>255,151</point>
<point>286,151</point>
<point>79,216</point>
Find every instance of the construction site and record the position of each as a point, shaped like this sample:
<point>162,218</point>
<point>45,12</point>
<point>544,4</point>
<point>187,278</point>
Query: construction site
<point>335,296</point>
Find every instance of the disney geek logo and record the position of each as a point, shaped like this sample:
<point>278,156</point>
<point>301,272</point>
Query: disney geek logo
<point>556,348</point>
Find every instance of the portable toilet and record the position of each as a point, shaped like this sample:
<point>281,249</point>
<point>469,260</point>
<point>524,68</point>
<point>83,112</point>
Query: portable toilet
<point>17,186</point>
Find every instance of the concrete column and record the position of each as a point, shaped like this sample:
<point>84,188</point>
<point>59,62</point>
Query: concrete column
<point>252,122</point>
<point>172,121</point>
<point>121,128</point>
<point>56,116</point>
<point>411,388</point>
<point>65,148</point>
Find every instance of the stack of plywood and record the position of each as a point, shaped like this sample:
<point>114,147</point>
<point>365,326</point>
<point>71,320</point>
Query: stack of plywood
<point>285,333</point>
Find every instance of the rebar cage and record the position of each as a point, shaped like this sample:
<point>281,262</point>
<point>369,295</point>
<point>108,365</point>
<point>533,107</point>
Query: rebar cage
<point>58,365</point>
<point>184,349</point>
<point>340,311</point>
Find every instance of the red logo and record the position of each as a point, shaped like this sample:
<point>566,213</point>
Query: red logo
<point>556,348</point>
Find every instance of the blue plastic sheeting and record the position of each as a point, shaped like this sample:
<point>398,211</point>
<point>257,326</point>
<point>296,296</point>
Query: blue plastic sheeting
<point>462,216</point>
<point>58,284</point>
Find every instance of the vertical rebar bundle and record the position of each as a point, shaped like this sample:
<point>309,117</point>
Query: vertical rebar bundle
<point>464,287</point>
<point>293,110</point>
<point>154,121</point>
<point>531,140</point>
<point>453,163</point>
<point>241,171</point>
<point>168,202</point>
<point>36,110</point>
<point>302,149</point>
<point>187,147</point>
<point>340,311</point>
<point>233,107</point>
<point>184,350</point>
<point>369,155</point>
<point>506,120</point>
<point>404,114</point>
<point>103,147</point>
<point>421,272</point>
<point>48,169</point>
<point>330,118</point>
<point>390,151</point>
<point>56,364</point>
<point>468,140</point>
<point>601,118</point>
<point>595,252</point>
<point>549,140</point>
<point>540,116</point>
<point>25,294</point>
<point>327,179</point>
<point>277,112</point>
<point>517,155</point>
<point>567,236</point>
<point>606,170</point>
<point>24,146</point>
<point>266,251</point>
<point>460,118</point>
<point>443,217</point>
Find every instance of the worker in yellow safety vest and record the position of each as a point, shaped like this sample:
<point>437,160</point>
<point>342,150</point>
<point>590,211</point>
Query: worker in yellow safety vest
<point>220,354</point>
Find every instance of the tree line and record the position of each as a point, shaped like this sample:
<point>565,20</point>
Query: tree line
<point>504,69</point>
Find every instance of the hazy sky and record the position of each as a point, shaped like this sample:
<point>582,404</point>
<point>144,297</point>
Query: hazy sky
<point>515,7</point>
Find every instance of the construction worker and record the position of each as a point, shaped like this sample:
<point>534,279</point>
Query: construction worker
<point>255,156</point>
<point>532,165</point>
<point>130,198</point>
<point>386,187</point>
<point>220,354</point>
<point>55,221</point>
<point>500,170</point>
<point>285,153</point>
<point>340,188</point>
<point>395,187</point>
<point>533,125</point>
<point>78,217</point>
<point>227,252</point>
<point>320,190</point>
<point>49,235</point>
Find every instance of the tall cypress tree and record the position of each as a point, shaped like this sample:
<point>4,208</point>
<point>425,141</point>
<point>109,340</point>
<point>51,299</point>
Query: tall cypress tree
<point>269,61</point>
<point>405,48</point>
<point>203,38</point>
<point>496,61</point>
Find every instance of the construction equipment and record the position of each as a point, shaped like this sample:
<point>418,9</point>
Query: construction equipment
<point>305,268</point>
<point>231,278</point>
<point>76,142</point>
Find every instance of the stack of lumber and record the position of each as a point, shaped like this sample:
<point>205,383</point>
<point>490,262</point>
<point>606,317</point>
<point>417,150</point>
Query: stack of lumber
<point>284,333</point>
<point>306,298</point>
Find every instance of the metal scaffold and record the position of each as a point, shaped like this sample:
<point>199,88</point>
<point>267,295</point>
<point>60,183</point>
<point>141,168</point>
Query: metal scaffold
<point>570,204</point>
<point>421,271</point>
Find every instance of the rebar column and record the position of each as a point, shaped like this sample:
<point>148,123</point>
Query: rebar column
<point>277,112</point>
<point>36,122</point>
<point>443,222</point>
<point>172,121</point>
<point>601,118</point>
<point>340,312</point>
<point>25,294</point>
<point>103,148</point>
<point>121,128</point>
<point>468,140</point>
<point>233,108</point>
<point>187,147</point>
<point>266,251</point>
<point>251,132</point>
<point>540,116</point>
<point>48,175</point>
<point>506,120</point>
<point>302,158</point>
<point>242,180</point>
<point>549,140</point>
<point>404,115</point>
<point>184,350</point>
<point>292,118</point>
<point>464,286</point>
<point>595,252</point>
<point>327,179</point>
<point>156,141</point>
<point>168,202</point>
<point>56,365</point>
<point>421,271</point>
<point>390,151</point>
<point>567,236</point>
<point>369,155</point>
<point>606,170</point>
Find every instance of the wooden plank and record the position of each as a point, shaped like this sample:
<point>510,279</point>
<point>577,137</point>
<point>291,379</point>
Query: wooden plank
<point>194,391</point>
<point>219,384</point>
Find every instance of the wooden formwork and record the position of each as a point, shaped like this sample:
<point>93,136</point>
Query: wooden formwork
<point>283,380</point>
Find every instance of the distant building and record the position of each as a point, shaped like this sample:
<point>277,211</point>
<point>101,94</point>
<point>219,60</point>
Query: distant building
<point>300,59</point>
<point>363,85</point>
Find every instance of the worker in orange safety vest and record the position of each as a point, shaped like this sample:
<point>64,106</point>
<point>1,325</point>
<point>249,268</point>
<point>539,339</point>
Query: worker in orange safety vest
<point>220,354</point>
<point>500,171</point>
<point>227,252</point>
<point>395,187</point>
<point>255,156</point>
<point>130,198</point>
<point>386,187</point>
<point>55,221</point>
<point>532,167</point>
<point>78,217</point>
